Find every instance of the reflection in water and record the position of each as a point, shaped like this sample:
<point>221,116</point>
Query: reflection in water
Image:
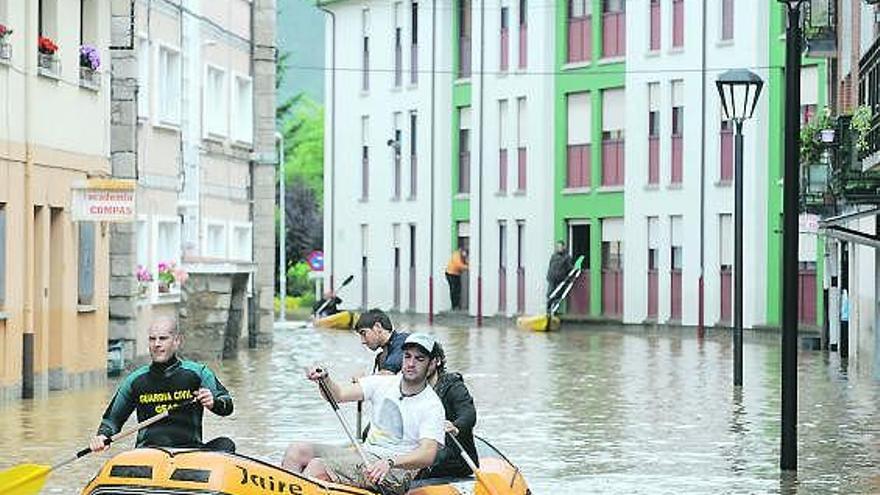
<point>585,410</point>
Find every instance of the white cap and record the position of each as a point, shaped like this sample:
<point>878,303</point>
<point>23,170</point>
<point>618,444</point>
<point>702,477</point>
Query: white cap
<point>423,340</point>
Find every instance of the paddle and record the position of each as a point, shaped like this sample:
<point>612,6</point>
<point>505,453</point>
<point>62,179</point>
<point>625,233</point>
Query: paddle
<point>327,302</point>
<point>493,483</point>
<point>357,446</point>
<point>28,479</point>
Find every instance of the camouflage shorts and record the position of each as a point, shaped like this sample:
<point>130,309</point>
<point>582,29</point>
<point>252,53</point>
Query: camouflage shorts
<point>345,466</point>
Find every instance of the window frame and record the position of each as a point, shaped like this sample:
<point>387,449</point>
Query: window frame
<point>236,132</point>
<point>162,119</point>
<point>210,111</point>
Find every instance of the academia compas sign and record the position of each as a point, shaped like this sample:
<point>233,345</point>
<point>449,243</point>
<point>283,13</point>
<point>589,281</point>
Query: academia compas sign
<point>103,200</point>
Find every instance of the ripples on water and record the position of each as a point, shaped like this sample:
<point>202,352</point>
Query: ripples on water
<point>585,410</point>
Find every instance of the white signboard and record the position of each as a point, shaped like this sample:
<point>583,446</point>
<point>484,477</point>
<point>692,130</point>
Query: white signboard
<point>103,200</point>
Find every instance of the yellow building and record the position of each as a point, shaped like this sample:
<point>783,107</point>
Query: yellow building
<point>54,131</point>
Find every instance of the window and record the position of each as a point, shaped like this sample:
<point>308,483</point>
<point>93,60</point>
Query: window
<point>503,144</point>
<point>613,125</point>
<point>2,253</point>
<point>523,34</point>
<point>143,245</point>
<point>578,135</point>
<point>365,158</point>
<point>143,95</point>
<point>677,23</point>
<point>398,47</point>
<point>809,92</point>
<point>88,22</point>
<point>396,156</point>
<point>726,149</point>
<point>521,140</point>
<point>613,28</point>
<point>168,78</point>
<point>464,38</point>
<point>414,47</point>
<point>464,150</point>
<point>580,31</point>
<point>86,263</point>
<point>677,131</point>
<point>505,39</point>
<point>215,240</point>
<point>365,58</point>
<point>653,133</point>
<point>47,12</point>
<point>216,113</point>
<point>243,109</point>
<point>167,239</point>
<point>655,25</point>
<point>240,248</point>
<point>413,155</point>
<point>726,19</point>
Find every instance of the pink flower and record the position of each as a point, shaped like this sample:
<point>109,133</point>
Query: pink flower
<point>180,275</point>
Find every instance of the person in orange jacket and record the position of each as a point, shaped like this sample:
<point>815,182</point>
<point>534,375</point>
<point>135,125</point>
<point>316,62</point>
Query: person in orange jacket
<point>457,264</point>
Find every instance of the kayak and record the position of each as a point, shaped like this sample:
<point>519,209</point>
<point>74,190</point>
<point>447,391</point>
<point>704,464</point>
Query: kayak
<point>343,320</point>
<point>538,323</point>
<point>155,471</point>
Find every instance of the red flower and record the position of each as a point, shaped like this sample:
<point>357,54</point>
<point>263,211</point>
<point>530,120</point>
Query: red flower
<point>46,46</point>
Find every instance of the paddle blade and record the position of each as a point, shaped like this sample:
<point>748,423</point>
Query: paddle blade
<point>347,281</point>
<point>579,263</point>
<point>491,484</point>
<point>26,479</point>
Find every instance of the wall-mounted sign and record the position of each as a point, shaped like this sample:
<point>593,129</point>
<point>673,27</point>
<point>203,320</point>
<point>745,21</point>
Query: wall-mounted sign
<point>103,200</point>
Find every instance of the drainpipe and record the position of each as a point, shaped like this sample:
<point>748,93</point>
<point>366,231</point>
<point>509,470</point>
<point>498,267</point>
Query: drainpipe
<point>332,146</point>
<point>282,229</point>
<point>27,323</point>
<point>480,168</point>
<point>701,329</point>
<point>431,223</point>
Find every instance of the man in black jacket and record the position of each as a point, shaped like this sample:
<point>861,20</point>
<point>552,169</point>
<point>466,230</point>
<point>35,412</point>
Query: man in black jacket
<point>167,383</point>
<point>560,265</point>
<point>461,417</point>
<point>331,308</point>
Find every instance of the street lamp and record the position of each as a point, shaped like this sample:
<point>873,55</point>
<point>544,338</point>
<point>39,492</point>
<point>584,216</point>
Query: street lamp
<point>739,90</point>
<point>790,200</point>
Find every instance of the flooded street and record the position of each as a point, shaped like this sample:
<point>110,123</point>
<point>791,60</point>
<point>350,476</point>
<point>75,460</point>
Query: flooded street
<point>585,410</point>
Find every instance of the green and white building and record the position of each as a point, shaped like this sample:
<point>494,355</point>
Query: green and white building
<point>504,126</point>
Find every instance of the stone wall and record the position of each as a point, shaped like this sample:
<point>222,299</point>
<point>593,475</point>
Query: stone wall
<point>210,315</point>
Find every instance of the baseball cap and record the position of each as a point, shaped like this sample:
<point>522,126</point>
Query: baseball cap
<point>423,340</point>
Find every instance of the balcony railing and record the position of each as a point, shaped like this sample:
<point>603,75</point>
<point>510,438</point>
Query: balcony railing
<point>677,165</point>
<point>580,39</point>
<point>613,34</point>
<point>505,49</point>
<point>578,166</point>
<point>653,160</point>
<point>613,162</point>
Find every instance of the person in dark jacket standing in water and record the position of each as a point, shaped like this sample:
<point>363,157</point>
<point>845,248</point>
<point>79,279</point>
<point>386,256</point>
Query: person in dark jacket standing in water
<point>560,265</point>
<point>461,417</point>
<point>376,332</point>
<point>167,383</point>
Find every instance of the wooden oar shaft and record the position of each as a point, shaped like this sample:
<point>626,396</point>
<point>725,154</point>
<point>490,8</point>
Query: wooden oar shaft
<point>481,477</point>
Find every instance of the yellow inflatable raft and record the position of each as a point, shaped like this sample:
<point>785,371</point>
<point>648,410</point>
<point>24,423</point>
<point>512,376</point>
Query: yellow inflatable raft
<point>343,320</point>
<point>153,471</point>
<point>538,323</point>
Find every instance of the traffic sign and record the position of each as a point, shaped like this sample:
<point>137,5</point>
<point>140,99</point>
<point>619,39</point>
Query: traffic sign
<point>315,259</point>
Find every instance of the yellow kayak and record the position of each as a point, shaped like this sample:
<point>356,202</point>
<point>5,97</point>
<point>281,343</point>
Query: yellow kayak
<point>343,320</point>
<point>538,323</point>
<point>153,471</point>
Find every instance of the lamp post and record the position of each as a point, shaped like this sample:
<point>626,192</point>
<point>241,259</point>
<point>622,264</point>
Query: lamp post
<point>739,90</point>
<point>793,35</point>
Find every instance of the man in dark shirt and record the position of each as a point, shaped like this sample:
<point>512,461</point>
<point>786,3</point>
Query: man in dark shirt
<point>331,308</point>
<point>461,417</point>
<point>167,383</point>
<point>376,332</point>
<point>560,265</point>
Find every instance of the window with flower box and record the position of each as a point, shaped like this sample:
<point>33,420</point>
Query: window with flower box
<point>47,22</point>
<point>166,247</point>
<point>6,31</point>
<point>89,54</point>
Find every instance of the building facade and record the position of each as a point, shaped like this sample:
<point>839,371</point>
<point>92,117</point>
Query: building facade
<point>54,272</point>
<point>595,123</point>
<point>198,134</point>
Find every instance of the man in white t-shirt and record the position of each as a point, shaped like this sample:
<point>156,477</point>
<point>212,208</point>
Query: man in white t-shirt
<point>406,431</point>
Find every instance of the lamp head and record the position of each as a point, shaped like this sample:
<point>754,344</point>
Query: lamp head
<point>739,90</point>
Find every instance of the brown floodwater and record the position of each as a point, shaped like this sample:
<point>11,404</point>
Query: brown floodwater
<point>598,409</point>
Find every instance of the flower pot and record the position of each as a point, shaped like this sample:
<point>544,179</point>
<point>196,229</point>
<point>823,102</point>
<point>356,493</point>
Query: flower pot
<point>827,135</point>
<point>164,287</point>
